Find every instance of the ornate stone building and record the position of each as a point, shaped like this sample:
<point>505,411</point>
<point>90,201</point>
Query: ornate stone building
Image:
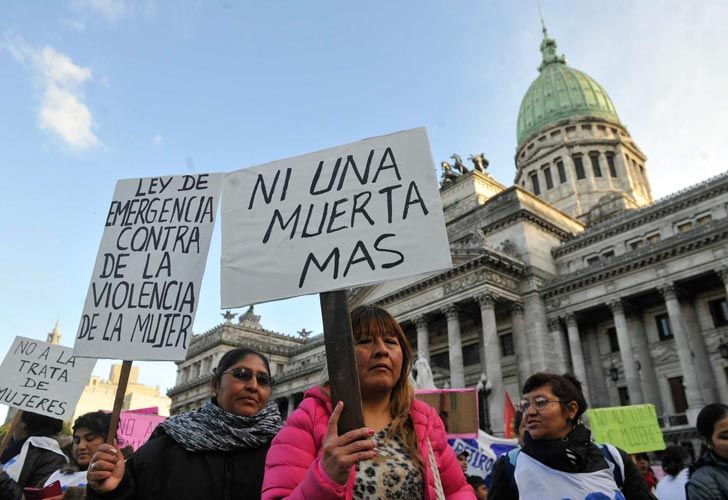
<point>573,268</point>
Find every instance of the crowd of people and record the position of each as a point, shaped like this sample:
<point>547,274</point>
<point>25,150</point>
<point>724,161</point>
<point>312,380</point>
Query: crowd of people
<point>237,446</point>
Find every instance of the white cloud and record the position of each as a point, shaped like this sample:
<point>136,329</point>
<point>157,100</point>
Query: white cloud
<point>112,11</point>
<point>157,140</point>
<point>74,25</point>
<point>63,111</point>
<point>64,114</point>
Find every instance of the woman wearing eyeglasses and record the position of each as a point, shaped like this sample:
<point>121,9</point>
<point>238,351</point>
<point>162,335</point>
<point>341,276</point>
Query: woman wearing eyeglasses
<point>401,453</point>
<point>558,458</point>
<point>216,452</point>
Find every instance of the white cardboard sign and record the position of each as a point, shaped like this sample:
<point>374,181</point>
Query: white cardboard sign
<point>143,295</point>
<point>43,378</point>
<point>348,216</point>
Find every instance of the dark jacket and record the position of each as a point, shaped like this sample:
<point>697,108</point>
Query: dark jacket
<point>162,470</point>
<point>586,457</point>
<point>709,479</point>
<point>39,465</point>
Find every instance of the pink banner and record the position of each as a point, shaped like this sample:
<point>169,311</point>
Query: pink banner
<point>136,426</point>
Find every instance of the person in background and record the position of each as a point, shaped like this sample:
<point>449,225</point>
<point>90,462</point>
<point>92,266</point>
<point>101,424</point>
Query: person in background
<point>643,465</point>
<point>401,453</point>
<point>479,487</point>
<point>463,460</point>
<point>216,452</point>
<point>675,465</point>
<point>709,478</point>
<point>32,455</point>
<point>558,459</point>
<point>89,431</point>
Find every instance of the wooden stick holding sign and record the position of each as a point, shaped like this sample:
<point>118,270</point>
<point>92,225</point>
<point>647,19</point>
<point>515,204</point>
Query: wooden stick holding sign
<point>341,359</point>
<point>118,401</point>
<point>11,429</point>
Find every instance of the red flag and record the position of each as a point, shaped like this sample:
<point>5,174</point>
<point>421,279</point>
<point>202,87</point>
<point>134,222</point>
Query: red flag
<point>509,419</point>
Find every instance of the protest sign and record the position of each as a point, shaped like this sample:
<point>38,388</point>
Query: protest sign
<point>458,409</point>
<point>342,217</point>
<point>634,428</point>
<point>143,294</point>
<point>482,452</point>
<point>43,378</point>
<point>135,427</point>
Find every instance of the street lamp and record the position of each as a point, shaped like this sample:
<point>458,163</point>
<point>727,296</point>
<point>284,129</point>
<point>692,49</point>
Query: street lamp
<point>484,387</point>
<point>614,373</point>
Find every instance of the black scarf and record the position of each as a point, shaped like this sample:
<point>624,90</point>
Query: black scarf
<point>12,449</point>
<point>213,429</point>
<point>573,453</point>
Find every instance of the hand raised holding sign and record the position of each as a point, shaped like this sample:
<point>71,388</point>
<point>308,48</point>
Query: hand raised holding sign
<point>341,452</point>
<point>106,469</point>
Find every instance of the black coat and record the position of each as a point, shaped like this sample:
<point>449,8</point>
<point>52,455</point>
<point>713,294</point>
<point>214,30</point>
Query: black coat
<point>38,467</point>
<point>162,470</point>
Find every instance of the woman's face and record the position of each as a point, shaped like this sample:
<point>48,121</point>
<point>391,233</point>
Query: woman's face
<point>240,390</point>
<point>379,362</point>
<point>85,442</point>
<point>549,423</point>
<point>719,439</point>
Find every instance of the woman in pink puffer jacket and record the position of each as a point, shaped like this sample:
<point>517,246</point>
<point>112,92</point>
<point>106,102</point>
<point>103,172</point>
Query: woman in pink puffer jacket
<point>392,457</point>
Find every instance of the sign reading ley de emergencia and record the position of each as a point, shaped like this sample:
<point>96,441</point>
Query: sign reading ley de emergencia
<point>43,378</point>
<point>347,216</point>
<point>144,290</point>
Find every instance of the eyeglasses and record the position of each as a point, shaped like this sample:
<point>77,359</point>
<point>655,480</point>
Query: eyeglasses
<point>245,375</point>
<point>538,404</point>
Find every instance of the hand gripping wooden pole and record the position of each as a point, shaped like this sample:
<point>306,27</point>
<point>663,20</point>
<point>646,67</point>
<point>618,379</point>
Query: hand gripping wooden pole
<point>341,360</point>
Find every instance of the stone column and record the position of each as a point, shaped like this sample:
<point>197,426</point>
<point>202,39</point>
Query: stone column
<point>629,364</point>
<point>520,343</point>
<point>423,338</point>
<point>559,364</point>
<point>455,346</point>
<point>537,333</point>
<point>577,355</point>
<point>291,405</point>
<point>706,377</point>
<point>493,369</point>
<point>684,354</point>
<point>599,381</point>
<point>650,389</point>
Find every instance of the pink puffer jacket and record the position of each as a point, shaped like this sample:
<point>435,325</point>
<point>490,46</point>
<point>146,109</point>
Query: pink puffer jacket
<point>293,466</point>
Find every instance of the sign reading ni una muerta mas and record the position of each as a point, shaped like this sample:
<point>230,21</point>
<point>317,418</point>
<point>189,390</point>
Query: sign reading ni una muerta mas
<point>144,289</point>
<point>634,428</point>
<point>348,216</point>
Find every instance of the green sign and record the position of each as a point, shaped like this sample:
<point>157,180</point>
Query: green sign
<point>633,428</point>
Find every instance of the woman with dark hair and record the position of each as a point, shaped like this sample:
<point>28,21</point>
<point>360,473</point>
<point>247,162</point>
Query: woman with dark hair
<point>401,453</point>
<point>89,431</point>
<point>32,455</point>
<point>675,465</point>
<point>216,452</point>
<point>558,458</point>
<point>709,479</point>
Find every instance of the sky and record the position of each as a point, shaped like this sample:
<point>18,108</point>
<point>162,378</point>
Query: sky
<point>92,91</point>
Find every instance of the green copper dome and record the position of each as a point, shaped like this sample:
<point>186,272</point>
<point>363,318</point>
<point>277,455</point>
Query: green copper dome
<point>560,92</point>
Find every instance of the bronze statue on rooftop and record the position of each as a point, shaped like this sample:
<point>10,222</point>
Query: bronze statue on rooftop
<point>459,165</point>
<point>480,162</point>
